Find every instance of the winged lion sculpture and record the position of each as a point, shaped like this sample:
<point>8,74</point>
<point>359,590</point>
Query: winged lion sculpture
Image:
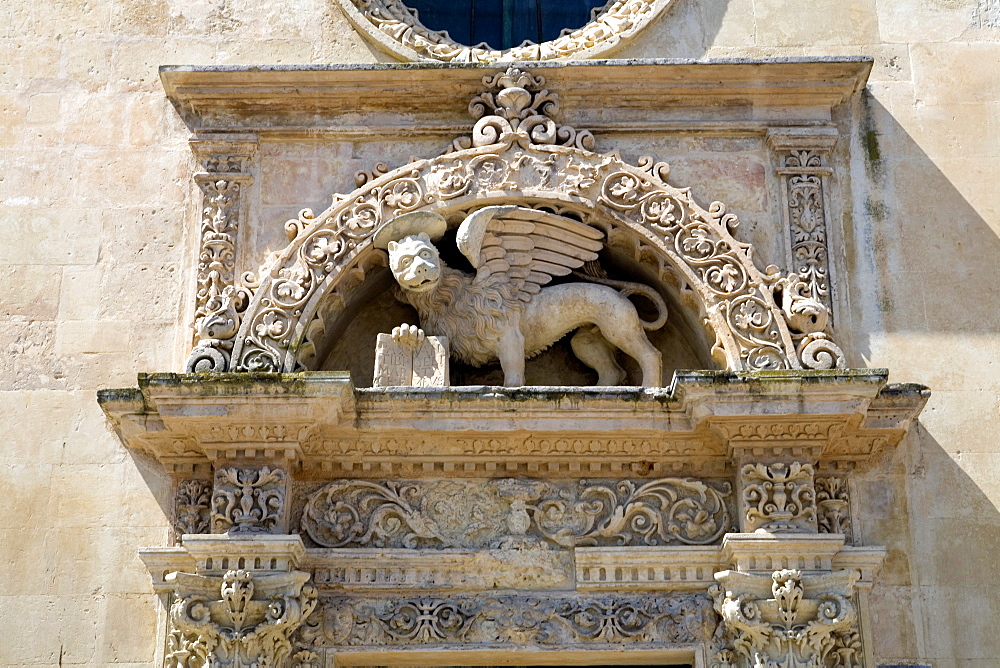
<point>504,312</point>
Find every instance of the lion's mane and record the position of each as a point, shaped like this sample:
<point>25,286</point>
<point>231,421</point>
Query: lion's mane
<point>471,316</point>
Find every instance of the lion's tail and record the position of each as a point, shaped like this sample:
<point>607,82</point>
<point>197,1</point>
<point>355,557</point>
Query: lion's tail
<point>594,273</point>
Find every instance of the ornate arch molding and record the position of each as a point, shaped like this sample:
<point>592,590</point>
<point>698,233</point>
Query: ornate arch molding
<point>397,29</point>
<point>518,153</point>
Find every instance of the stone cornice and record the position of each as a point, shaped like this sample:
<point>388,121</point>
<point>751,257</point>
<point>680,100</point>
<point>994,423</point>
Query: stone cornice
<point>430,98</point>
<point>702,422</point>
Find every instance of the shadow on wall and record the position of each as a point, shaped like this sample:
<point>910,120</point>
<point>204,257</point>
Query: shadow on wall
<point>922,258</point>
<point>942,533</point>
<point>686,30</point>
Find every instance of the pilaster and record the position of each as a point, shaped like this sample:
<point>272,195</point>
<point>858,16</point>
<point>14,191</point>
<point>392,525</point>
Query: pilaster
<point>224,179</point>
<point>802,157</point>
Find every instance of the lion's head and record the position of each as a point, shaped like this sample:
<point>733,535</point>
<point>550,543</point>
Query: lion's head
<point>415,262</point>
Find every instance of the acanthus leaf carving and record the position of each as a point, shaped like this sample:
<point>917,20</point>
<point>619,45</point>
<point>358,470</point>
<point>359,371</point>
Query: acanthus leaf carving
<point>248,500</point>
<point>354,513</point>
<point>778,497</point>
<point>192,507</point>
<point>240,620</point>
<point>833,505</point>
<point>787,619</point>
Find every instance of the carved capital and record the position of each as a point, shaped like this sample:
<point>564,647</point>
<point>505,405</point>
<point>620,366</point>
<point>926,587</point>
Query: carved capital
<point>248,500</point>
<point>777,497</point>
<point>241,619</point>
<point>787,619</point>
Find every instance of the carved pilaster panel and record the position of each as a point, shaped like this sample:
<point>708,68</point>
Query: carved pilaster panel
<point>802,157</point>
<point>192,507</point>
<point>833,506</point>
<point>508,512</point>
<point>777,497</point>
<point>248,500</point>
<point>508,621</point>
<point>239,620</point>
<point>787,619</point>
<point>224,180</point>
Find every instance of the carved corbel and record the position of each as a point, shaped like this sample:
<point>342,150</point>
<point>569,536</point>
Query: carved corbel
<point>777,497</point>
<point>224,179</point>
<point>787,619</point>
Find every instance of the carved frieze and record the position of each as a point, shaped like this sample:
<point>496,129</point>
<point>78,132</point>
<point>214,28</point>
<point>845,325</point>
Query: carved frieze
<point>240,620</point>
<point>786,620</point>
<point>505,621</point>
<point>192,507</point>
<point>778,497</point>
<point>248,500</point>
<point>508,512</point>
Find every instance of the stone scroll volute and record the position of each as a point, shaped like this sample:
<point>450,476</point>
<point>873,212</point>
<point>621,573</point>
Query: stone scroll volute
<point>518,154</point>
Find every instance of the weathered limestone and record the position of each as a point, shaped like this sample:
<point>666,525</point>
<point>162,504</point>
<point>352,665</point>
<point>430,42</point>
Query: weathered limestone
<point>414,361</point>
<point>101,217</point>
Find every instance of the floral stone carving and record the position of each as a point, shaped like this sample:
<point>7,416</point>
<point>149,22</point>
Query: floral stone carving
<point>192,510</point>
<point>508,620</point>
<point>241,620</point>
<point>518,153</point>
<point>397,28</point>
<point>778,497</point>
<point>504,312</point>
<point>507,512</point>
<point>248,500</point>
<point>833,505</point>
<point>786,620</point>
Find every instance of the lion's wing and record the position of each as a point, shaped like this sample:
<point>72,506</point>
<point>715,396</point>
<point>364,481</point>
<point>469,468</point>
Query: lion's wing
<point>525,248</point>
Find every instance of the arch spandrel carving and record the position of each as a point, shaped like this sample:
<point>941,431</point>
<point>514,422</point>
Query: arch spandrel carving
<point>518,154</point>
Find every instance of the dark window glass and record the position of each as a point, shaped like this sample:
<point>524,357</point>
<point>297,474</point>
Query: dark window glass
<point>503,23</point>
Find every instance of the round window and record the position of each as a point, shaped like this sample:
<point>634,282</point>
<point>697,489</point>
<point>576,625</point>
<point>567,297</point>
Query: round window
<point>503,24</point>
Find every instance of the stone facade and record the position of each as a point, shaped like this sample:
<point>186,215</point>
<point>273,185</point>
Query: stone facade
<point>293,519</point>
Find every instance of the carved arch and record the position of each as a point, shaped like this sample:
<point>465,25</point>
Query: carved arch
<point>736,298</point>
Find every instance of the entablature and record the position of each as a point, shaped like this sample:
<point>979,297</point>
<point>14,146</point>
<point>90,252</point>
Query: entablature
<point>703,420</point>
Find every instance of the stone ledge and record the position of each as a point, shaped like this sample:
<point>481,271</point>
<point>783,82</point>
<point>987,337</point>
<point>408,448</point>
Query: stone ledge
<point>278,99</point>
<point>702,420</point>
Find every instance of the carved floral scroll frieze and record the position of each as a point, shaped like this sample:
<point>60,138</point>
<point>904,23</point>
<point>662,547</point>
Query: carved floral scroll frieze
<point>240,620</point>
<point>507,512</point>
<point>508,620</point>
<point>398,28</point>
<point>248,500</point>
<point>778,497</point>
<point>192,507</point>
<point>787,620</point>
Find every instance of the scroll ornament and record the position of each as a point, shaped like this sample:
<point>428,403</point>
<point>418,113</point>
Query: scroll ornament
<point>518,153</point>
<point>508,620</point>
<point>241,620</point>
<point>786,620</point>
<point>441,514</point>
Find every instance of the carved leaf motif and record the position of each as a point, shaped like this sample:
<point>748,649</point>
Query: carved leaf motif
<point>248,500</point>
<point>457,514</point>
<point>508,620</point>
